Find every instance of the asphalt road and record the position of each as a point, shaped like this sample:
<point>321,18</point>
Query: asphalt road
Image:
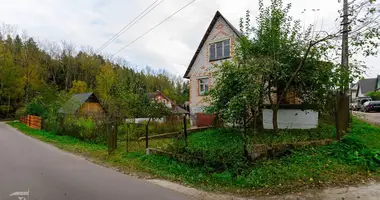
<point>51,174</point>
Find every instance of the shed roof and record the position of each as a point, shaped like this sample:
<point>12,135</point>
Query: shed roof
<point>179,110</point>
<point>209,29</point>
<point>73,104</point>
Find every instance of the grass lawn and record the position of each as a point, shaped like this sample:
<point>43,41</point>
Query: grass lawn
<point>339,163</point>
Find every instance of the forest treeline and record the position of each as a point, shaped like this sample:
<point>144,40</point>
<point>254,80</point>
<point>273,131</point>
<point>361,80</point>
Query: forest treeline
<point>31,70</point>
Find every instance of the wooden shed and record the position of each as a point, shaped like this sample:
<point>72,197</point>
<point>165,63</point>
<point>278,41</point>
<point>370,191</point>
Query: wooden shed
<point>84,105</point>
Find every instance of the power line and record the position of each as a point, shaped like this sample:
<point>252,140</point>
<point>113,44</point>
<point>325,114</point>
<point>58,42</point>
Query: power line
<point>130,24</point>
<point>154,27</point>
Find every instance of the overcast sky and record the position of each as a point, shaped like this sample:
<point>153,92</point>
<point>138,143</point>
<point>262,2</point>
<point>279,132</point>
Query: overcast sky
<point>170,46</point>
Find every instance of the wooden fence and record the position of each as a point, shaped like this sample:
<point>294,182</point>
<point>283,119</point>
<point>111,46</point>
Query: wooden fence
<point>32,121</point>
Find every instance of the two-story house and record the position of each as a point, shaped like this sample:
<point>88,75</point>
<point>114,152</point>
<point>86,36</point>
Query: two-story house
<point>217,45</point>
<point>364,86</point>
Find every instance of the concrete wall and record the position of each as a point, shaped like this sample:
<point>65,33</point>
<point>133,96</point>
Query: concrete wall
<point>291,119</point>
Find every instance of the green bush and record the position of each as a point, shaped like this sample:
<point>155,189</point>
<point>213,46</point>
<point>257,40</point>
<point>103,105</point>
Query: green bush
<point>86,128</point>
<point>69,127</point>
<point>374,95</point>
<point>20,112</point>
<point>35,108</point>
<point>134,131</point>
<point>353,151</point>
<point>217,149</point>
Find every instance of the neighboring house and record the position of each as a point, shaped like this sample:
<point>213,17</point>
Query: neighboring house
<point>217,46</point>
<point>353,90</point>
<point>83,105</point>
<point>160,98</point>
<point>378,83</point>
<point>365,86</point>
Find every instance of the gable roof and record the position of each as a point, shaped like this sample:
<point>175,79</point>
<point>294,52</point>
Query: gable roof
<point>152,95</point>
<point>209,29</point>
<point>73,104</point>
<point>367,85</point>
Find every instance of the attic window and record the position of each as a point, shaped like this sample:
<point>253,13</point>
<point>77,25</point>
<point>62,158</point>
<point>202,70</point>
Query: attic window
<point>220,50</point>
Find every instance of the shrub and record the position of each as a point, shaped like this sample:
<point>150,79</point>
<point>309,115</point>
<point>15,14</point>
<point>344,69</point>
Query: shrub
<point>35,108</point>
<point>219,149</point>
<point>86,128</point>
<point>69,127</point>
<point>374,95</point>
<point>353,151</point>
<point>20,112</point>
<point>133,131</point>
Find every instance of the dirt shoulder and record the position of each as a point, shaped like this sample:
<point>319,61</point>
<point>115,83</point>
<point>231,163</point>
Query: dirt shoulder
<point>368,192</point>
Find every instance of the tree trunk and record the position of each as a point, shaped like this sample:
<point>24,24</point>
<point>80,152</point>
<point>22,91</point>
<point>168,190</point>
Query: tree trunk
<point>9,104</point>
<point>115,132</point>
<point>245,120</point>
<point>27,90</point>
<point>147,134</point>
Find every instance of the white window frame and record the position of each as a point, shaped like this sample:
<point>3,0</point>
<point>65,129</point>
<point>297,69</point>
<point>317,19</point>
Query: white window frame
<point>202,86</point>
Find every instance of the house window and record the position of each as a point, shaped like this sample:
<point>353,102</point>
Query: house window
<point>203,86</point>
<point>220,50</point>
<point>163,101</point>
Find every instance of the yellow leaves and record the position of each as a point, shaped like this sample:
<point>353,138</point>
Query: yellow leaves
<point>78,87</point>
<point>104,81</point>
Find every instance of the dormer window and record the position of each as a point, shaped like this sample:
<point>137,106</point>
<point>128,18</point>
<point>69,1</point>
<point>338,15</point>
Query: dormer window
<point>220,50</point>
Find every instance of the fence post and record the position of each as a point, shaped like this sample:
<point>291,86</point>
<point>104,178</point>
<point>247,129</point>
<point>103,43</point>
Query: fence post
<point>111,139</point>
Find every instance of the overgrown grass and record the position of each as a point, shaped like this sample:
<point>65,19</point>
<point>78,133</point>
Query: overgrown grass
<point>324,131</point>
<point>339,163</point>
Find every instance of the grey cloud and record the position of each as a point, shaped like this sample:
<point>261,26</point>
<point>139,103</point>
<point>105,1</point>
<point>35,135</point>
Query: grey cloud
<point>170,46</point>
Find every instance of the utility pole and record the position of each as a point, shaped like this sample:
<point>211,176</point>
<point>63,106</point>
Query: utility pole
<point>343,114</point>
